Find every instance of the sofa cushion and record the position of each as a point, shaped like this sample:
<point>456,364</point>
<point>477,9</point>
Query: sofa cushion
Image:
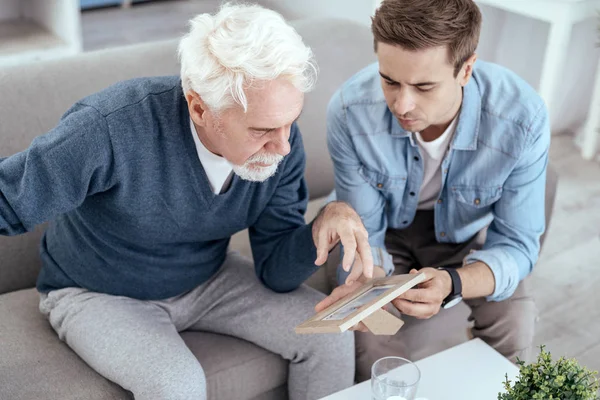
<point>35,364</point>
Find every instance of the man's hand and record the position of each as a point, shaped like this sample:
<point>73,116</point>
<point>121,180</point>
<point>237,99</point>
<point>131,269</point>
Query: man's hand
<point>357,272</point>
<point>342,291</point>
<point>425,301</point>
<point>339,222</point>
<point>339,293</point>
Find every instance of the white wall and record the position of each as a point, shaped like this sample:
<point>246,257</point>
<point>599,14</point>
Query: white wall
<point>9,9</point>
<point>508,39</point>
<point>61,17</point>
<point>356,10</point>
<point>519,43</point>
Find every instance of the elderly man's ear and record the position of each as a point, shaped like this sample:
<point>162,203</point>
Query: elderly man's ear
<point>196,107</point>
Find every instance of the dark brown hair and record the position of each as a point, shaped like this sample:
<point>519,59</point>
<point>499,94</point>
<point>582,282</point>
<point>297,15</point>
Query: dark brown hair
<point>423,24</point>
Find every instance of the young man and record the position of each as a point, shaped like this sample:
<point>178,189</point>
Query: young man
<point>435,151</point>
<point>144,184</point>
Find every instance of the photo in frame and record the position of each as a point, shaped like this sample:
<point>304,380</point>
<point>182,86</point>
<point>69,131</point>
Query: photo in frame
<point>365,304</point>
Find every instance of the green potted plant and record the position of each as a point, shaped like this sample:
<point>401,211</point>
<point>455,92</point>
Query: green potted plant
<point>545,379</point>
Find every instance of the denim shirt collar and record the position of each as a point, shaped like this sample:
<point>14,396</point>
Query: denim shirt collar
<point>469,118</point>
<point>467,129</point>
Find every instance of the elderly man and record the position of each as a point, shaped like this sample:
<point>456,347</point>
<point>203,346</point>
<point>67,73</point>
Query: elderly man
<point>144,184</point>
<point>444,157</point>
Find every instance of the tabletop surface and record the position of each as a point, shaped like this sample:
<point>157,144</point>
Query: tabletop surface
<point>469,371</point>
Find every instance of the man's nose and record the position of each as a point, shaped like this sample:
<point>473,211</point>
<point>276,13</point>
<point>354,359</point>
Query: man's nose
<point>404,103</point>
<point>279,142</point>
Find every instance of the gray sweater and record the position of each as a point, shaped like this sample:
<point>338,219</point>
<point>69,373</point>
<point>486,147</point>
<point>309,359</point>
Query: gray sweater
<point>131,209</point>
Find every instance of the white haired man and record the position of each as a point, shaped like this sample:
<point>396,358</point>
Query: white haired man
<point>144,184</point>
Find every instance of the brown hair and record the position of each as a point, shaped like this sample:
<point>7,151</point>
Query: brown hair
<point>422,24</point>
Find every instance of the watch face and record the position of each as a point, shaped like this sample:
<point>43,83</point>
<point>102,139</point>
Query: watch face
<point>452,302</point>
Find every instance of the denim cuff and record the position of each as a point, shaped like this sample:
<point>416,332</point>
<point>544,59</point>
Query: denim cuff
<point>503,266</point>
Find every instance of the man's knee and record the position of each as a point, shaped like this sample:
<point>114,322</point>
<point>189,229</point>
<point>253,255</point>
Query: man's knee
<point>508,326</point>
<point>520,330</point>
<point>340,346</point>
<point>176,384</point>
<point>336,350</point>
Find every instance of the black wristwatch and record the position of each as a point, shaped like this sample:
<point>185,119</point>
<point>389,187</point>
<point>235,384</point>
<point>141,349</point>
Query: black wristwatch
<point>455,295</point>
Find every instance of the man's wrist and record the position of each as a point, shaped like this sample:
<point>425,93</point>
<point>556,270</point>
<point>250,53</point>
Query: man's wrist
<point>452,289</point>
<point>477,280</point>
<point>447,282</point>
<point>317,221</point>
<point>327,206</point>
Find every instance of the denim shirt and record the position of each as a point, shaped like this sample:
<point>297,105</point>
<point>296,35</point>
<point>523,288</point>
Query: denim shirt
<point>493,175</point>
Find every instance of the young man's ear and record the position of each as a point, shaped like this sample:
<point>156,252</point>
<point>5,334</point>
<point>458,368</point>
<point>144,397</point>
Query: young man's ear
<point>467,70</point>
<point>196,107</point>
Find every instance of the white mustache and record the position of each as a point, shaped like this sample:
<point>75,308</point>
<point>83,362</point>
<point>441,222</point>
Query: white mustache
<point>265,158</point>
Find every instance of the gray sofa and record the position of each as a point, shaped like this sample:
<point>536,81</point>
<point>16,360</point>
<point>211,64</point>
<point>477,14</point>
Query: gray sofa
<point>34,364</point>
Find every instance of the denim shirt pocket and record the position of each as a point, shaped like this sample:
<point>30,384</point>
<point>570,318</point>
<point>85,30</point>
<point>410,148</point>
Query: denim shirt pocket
<point>383,182</point>
<point>476,197</point>
<point>390,186</point>
<point>474,204</point>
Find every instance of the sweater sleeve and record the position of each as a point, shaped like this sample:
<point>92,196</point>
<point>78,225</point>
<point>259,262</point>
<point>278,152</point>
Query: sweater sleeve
<point>57,172</point>
<point>282,244</point>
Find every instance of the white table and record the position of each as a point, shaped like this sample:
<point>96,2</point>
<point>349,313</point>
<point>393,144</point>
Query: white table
<point>469,371</point>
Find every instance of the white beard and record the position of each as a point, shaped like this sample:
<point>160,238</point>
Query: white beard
<point>254,173</point>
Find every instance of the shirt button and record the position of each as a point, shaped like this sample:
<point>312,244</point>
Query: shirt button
<point>416,158</point>
<point>442,234</point>
<point>440,201</point>
<point>380,185</point>
<point>412,193</point>
<point>477,201</point>
<point>405,222</point>
<point>446,171</point>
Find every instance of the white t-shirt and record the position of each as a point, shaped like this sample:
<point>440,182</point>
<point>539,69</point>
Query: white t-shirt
<point>217,169</point>
<point>433,154</point>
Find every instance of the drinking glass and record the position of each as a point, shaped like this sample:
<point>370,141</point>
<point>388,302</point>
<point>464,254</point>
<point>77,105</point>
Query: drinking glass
<point>394,378</point>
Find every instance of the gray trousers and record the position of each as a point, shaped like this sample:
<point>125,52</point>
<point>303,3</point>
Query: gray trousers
<point>137,345</point>
<point>507,326</point>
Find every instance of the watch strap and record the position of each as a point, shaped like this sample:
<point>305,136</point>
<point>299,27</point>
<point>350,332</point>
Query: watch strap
<point>456,281</point>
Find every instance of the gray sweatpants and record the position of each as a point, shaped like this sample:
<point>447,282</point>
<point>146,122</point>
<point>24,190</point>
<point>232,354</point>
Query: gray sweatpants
<point>136,344</point>
<point>508,326</point>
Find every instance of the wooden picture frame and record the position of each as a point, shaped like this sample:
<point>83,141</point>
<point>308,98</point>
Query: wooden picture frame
<point>365,304</point>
